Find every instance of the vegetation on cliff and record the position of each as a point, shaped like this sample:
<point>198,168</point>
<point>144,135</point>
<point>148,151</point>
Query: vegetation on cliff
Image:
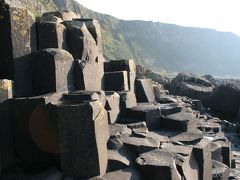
<point>158,45</point>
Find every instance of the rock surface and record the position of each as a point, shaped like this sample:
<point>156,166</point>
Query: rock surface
<point>79,131</point>
<point>193,86</point>
<point>226,99</point>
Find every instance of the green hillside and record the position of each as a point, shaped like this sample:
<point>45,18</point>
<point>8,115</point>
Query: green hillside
<point>159,45</point>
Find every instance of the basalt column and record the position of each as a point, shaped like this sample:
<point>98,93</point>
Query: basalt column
<point>15,35</point>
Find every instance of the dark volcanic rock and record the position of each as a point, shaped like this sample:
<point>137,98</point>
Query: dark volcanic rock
<point>52,71</point>
<point>23,80</point>
<point>94,28</point>
<point>185,160</point>
<point>159,91</point>
<point>15,34</point>
<point>88,76</point>
<point>117,130</point>
<point>80,42</point>
<point>170,108</point>
<point>83,141</point>
<point>119,159</point>
<point>163,99</point>
<point>83,96</point>
<point>239,114</point>
<point>8,154</point>
<point>126,174</point>
<point>140,145</point>
<point>64,15</point>
<point>56,35</point>
<point>158,165</point>
<point>50,174</point>
<point>187,138</point>
<point>149,113</point>
<point>193,86</point>
<point>182,121</point>
<point>112,106</point>
<point>225,156</point>
<point>225,99</point>
<point>116,81</point>
<point>35,131</point>
<point>202,153</point>
<point>48,17</point>
<point>219,171</point>
<point>127,101</point>
<point>123,65</point>
<point>66,135</point>
<point>144,90</point>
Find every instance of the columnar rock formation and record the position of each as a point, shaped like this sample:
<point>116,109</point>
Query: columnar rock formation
<point>84,118</point>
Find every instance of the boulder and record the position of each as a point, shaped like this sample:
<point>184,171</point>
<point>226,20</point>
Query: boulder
<point>15,35</point>
<point>87,76</point>
<point>52,71</point>
<point>80,42</point>
<point>181,121</point>
<point>112,106</point>
<point>147,112</point>
<point>6,89</point>
<point>144,90</point>
<point>83,141</point>
<point>56,35</point>
<point>193,86</point>
<point>116,81</point>
<point>158,165</point>
<point>123,65</point>
<point>225,99</point>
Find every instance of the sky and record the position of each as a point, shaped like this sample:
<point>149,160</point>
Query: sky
<point>222,15</point>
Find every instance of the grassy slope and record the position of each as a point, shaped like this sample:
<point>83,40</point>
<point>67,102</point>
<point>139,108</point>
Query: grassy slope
<point>163,46</point>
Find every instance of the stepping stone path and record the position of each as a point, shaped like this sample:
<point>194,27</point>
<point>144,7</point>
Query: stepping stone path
<point>67,114</point>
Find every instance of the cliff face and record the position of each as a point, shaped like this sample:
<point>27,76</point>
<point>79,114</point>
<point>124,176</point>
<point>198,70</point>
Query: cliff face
<point>37,7</point>
<point>158,45</point>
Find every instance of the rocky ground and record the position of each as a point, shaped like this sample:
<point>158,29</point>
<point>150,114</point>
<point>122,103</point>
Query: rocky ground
<point>67,114</point>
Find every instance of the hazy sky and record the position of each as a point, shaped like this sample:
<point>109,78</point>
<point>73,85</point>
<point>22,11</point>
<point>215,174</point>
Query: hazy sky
<point>223,15</point>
